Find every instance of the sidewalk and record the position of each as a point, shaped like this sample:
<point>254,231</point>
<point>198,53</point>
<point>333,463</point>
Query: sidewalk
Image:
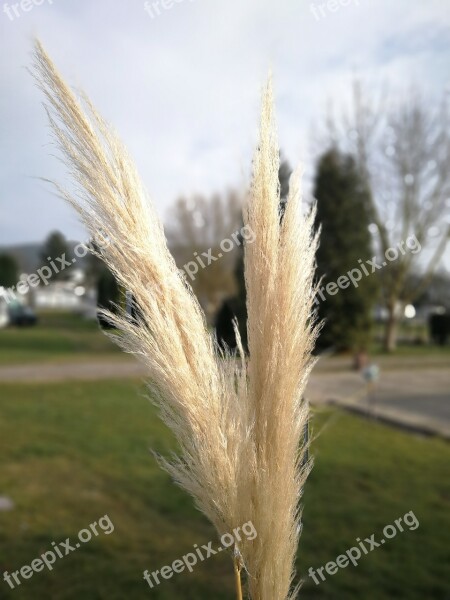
<point>416,400</point>
<point>411,394</point>
<point>87,371</point>
<point>386,363</point>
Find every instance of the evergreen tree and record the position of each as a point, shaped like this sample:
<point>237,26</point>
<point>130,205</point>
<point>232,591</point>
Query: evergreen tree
<point>342,214</point>
<point>108,295</point>
<point>236,307</point>
<point>55,247</point>
<point>9,271</point>
<point>94,266</point>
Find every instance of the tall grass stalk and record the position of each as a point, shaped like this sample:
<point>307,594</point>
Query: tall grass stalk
<point>238,423</point>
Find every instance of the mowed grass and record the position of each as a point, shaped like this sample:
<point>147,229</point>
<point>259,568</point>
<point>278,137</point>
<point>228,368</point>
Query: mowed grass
<point>71,453</point>
<point>57,337</point>
<point>62,337</point>
<point>413,341</point>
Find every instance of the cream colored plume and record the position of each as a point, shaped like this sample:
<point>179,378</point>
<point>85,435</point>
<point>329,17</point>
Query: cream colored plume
<point>239,422</point>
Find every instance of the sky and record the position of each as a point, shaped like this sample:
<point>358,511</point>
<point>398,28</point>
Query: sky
<point>181,83</point>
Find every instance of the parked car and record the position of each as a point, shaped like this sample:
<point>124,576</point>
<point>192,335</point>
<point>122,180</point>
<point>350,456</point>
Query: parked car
<point>20,315</point>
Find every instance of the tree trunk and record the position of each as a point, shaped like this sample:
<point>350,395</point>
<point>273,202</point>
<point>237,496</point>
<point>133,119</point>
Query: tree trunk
<point>390,333</point>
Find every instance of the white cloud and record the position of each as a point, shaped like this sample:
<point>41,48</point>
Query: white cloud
<point>183,89</point>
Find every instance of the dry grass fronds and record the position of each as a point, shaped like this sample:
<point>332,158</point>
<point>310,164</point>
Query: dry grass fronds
<point>239,424</point>
<point>279,270</point>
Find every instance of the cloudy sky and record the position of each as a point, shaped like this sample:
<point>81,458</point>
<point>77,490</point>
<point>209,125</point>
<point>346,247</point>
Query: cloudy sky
<point>182,87</point>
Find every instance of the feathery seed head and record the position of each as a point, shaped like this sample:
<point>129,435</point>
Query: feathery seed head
<point>239,423</point>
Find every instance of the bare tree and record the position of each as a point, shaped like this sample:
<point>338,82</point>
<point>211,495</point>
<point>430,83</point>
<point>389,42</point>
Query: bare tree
<point>195,230</point>
<point>403,151</point>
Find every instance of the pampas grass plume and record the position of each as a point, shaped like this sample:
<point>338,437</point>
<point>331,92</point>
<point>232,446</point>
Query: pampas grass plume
<point>239,422</point>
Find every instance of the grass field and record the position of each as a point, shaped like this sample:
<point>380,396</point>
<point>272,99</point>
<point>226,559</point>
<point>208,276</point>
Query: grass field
<point>63,337</point>
<point>71,453</point>
<point>57,337</point>
<point>413,340</point>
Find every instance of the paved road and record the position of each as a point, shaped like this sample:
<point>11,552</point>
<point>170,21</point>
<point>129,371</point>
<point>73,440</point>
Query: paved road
<point>38,373</point>
<point>418,396</point>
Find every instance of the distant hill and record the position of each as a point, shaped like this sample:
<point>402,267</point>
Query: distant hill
<point>28,256</point>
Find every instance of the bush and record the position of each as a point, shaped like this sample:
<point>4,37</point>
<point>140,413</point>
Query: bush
<point>439,327</point>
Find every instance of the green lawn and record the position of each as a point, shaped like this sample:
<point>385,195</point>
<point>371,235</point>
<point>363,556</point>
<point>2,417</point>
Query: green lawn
<point>56,337</point>
<point>413,340</point>
<point>66,337</point>
<point>73,453</point>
